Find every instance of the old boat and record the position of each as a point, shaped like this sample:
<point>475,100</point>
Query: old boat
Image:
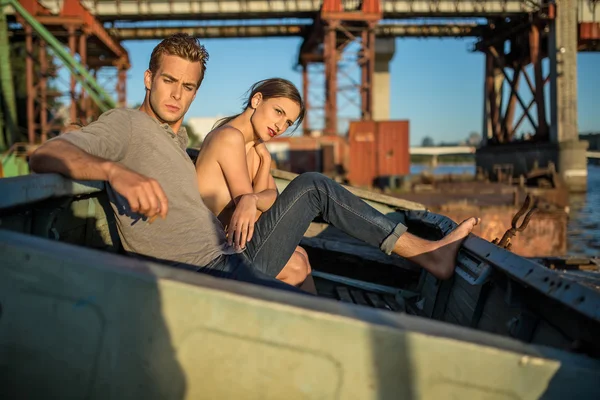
<point>79,319</point>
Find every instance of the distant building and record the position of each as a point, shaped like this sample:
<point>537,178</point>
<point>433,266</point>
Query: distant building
<point>201,126</point>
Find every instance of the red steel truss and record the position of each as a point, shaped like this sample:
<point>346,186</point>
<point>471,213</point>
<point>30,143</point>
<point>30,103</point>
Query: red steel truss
<point>339,24</point>
<point>87,39</point>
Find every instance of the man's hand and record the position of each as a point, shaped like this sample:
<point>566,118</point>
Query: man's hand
<point>145,196</point>
<point>241,225</point>
<point>263,153</point>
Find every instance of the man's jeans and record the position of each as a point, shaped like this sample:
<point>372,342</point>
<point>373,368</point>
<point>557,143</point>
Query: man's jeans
<point>280,229</point>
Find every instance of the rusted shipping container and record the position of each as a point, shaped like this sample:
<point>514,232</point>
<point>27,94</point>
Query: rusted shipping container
<point>393,158</point>
<point>362,164</point>
<point>378,150</point>
<point>589,31</point>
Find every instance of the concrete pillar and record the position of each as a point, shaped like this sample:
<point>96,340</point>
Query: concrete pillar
<point>384,51</point>
<point>497,77</point>
<point>562,51</point>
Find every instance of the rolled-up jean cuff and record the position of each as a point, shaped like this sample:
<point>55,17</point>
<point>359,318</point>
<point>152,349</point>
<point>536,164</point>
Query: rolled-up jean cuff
<point>388,244</point>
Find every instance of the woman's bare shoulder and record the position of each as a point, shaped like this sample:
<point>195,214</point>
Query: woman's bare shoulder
<point>225,135</point>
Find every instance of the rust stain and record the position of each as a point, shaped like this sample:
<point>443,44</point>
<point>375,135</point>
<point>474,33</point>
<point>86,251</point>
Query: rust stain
<point>545,235</point>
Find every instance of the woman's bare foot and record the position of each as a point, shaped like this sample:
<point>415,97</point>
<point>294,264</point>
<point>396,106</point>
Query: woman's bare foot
<point>437,257</point>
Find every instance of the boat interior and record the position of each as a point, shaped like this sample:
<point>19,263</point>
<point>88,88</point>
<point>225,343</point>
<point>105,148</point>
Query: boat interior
<point>58,240</point>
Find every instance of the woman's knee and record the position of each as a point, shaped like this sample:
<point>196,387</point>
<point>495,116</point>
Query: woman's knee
<point>304,256</point>
<point>299,264</point>
<point>296,270</point>
<point>310,178</point>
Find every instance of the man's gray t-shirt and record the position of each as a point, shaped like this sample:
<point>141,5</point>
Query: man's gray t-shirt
<point>190,234</point>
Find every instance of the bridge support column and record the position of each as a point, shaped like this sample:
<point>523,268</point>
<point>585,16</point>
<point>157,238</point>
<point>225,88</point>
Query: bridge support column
<point>384,52</point>
<point>492,99</point>
<point>564,133</point>
<point>521,143</point>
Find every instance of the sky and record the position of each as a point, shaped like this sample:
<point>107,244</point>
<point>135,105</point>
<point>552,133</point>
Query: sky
<point>437,84</point>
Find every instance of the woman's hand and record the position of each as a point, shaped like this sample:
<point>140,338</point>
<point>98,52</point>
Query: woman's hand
<point>263,153</point>
<point>241,225</point>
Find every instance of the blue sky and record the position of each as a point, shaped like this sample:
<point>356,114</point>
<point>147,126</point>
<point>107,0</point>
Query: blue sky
<point>437,84</point>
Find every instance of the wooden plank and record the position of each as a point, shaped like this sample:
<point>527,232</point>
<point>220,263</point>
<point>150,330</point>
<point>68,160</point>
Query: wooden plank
<point>393,304</point>
<point>343,294</point>
<point>359,297</point>
<point>376,301</point>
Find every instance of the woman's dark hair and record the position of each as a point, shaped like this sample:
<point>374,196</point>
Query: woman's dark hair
<point>271,88</point>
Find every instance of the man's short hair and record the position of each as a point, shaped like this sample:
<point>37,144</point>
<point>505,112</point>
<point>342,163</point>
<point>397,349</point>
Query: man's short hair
<point>180,45</point>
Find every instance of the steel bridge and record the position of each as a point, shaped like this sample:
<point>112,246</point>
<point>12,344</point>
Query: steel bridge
<point>143,10</point>
<point>92,30</point>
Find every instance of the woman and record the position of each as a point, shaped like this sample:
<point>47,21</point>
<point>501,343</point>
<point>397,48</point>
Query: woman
<point>234,161</point>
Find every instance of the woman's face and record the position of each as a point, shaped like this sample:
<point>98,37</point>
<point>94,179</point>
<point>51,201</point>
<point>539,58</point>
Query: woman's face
<point>272,117</point>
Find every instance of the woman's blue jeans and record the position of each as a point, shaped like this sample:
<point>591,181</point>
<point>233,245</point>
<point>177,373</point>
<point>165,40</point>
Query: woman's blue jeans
<point>279,230</point>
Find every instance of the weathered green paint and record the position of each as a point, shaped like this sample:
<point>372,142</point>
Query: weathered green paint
<point>25,190</point>
<point>96,92</point>
<point>8,109</point>
<point>13,165</point>
<point>76,322</point>
<point>83,324</point>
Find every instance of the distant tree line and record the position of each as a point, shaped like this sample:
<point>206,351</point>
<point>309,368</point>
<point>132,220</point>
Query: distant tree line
<point>474,139</point>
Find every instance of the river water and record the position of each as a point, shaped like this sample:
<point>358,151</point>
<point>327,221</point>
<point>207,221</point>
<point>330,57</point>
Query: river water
<point>583,229</point>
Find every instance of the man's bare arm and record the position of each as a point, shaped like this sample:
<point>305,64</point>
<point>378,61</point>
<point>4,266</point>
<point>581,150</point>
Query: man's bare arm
<point>143,194</point>
<point>62,157</point>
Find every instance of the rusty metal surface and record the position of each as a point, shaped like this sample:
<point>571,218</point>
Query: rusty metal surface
<point>363,152</point>
<point>496,204</point>
<point>282,30</point>
<point>517,225</point>
<point>393,156</point>
<point>589,36</point>
<point>378,149</point>
<point>545,236</point>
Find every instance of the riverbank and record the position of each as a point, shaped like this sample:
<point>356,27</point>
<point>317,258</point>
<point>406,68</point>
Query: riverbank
<point>583,225</point>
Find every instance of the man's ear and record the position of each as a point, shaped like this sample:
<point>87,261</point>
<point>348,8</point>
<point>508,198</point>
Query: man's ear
<point>256,99</point>
<point>148,79</point>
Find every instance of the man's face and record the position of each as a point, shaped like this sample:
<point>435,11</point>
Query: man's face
<point>172,88</point>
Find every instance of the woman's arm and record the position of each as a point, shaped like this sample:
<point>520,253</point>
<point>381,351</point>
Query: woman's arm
<point>263,179</point>
<point>229,148</point>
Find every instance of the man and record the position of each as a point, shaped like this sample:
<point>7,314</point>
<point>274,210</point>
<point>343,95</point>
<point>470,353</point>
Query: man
<point>141,154</point>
